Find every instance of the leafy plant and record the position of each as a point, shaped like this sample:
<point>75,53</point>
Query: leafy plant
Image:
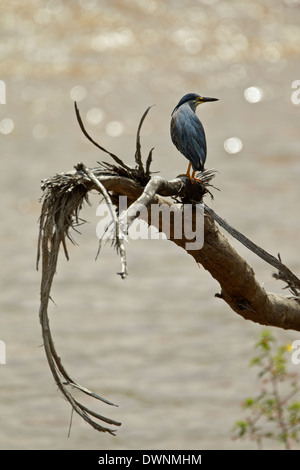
<point>272,414</point>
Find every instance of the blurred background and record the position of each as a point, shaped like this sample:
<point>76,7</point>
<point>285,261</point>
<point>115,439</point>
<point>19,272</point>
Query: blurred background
<point>160,345</point>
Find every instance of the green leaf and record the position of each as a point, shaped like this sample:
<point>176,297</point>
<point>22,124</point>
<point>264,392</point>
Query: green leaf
<point>248,402</point>
<point>241,427</point>
<point>265,339</point>
<point>255,361</point>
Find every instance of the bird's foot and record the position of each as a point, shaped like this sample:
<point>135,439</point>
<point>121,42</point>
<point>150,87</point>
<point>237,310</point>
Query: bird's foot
<point>191,178</point>
<point>195,179</point>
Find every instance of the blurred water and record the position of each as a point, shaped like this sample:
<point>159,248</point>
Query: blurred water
<point>160,345</point>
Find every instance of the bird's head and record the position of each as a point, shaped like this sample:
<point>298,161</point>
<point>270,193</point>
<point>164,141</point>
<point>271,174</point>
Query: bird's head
<point>193,100</point>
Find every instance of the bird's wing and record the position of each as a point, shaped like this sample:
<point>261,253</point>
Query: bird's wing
<point>189,138</point>
<point>197,145</point>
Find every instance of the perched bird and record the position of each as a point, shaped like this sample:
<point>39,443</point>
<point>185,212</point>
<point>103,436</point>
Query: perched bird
<point>187,132</point>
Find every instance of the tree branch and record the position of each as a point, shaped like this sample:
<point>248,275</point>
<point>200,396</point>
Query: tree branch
<point>55,222</point>
<point>118,238</point>
<point>270,259</point>
<point>239,287</point>
<point>138,155</point>
<point>65,194</point>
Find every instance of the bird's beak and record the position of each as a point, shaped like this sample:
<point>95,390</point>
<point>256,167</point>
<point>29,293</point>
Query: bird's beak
<point>204,99</point>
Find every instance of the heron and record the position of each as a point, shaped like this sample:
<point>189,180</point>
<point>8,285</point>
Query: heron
<point>187,132</point>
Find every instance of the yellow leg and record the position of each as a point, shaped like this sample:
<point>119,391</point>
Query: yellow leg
<point>193,177</point>
<point>188,174</point>
<point>189,171</point>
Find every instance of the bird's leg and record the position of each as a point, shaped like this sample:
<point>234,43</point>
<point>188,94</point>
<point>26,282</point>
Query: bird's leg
<point>193,177</point>
<point>188,173</point>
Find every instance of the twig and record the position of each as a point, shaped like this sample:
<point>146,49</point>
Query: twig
<point>138,155</point>
<point>115,158</point>
<point>270,259</point>
<point>152,188</point>
<point>148,163</point>
<point>118,238</point>
<point>278,405</point>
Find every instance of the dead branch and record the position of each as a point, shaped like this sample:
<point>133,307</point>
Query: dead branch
<point>63,198</point>
<point>285,273</point>
<point>55,223</point>
<point>117,237</point>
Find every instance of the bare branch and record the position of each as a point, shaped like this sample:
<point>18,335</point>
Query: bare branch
<point>220,259</point>
<point>239,287</point>
<point>59,214</point>
<point>119,239</point>
<point>148,163</point>
<point>155,186</point>
<point>138,155</point>
<point>270,259</point>
<point>115,158</point>
<point>63,198</point>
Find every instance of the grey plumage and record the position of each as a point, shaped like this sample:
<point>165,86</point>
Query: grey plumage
<point>187,132</point>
